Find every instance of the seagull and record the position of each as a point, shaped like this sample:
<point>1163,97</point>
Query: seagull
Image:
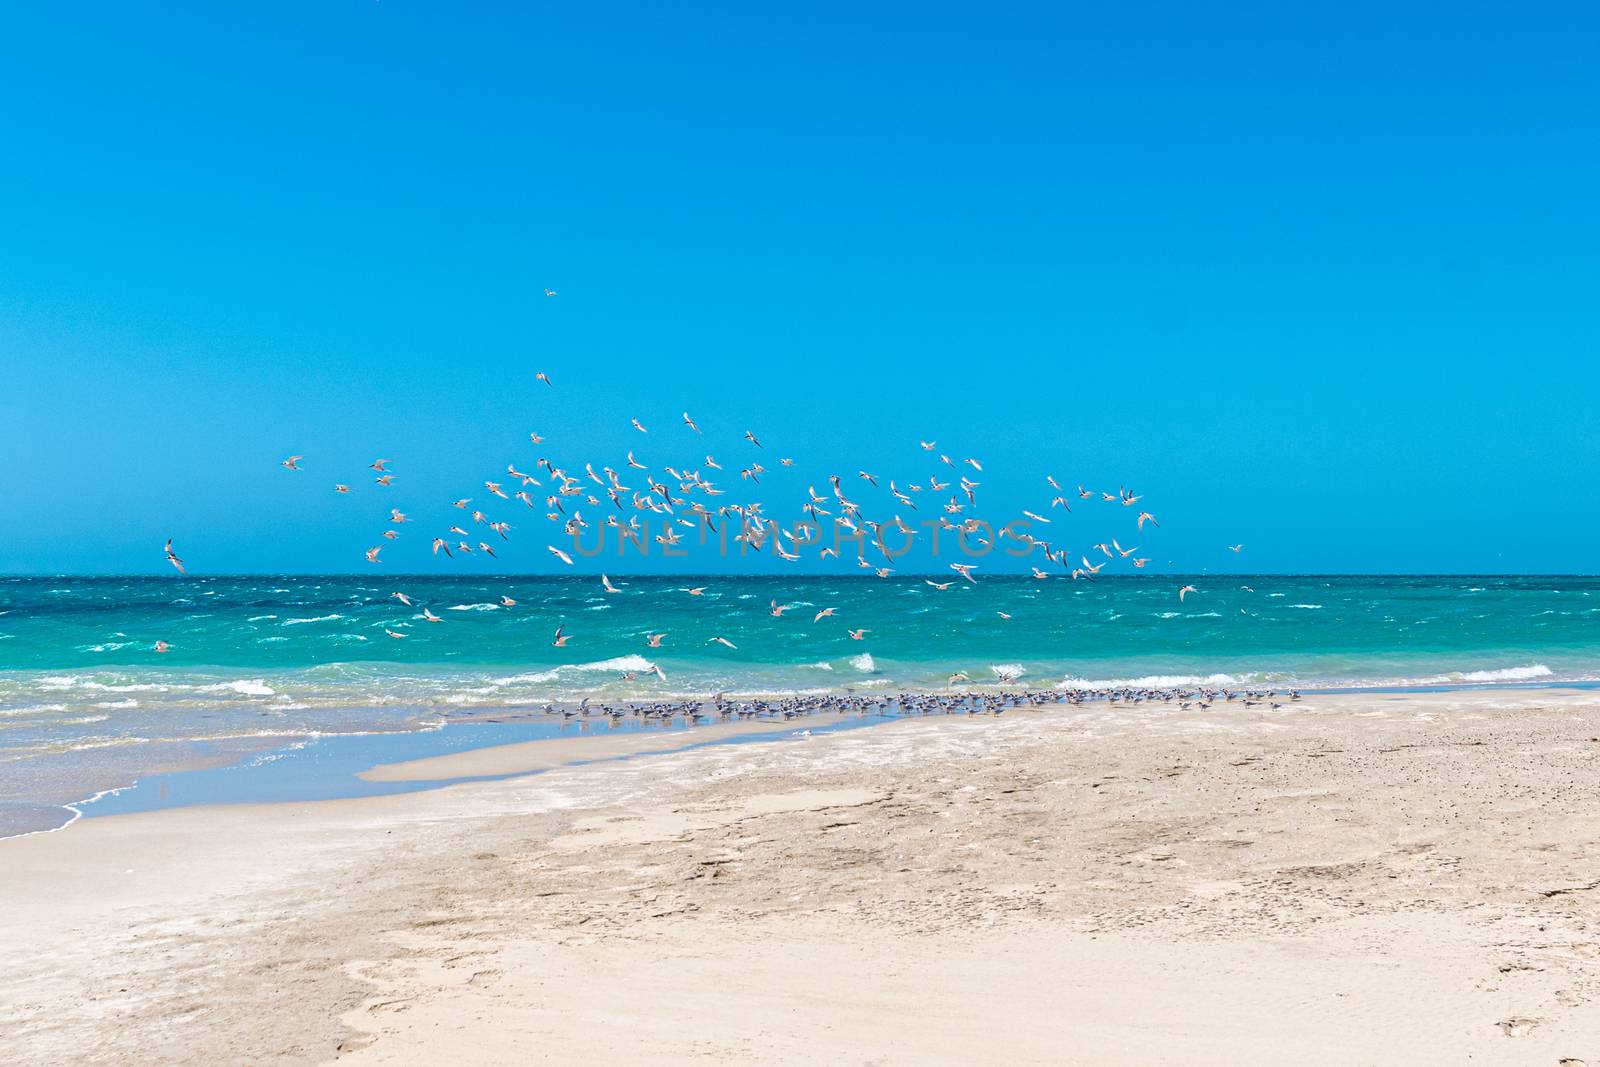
<point>438,543</point>
<point>823,614</point>
<point>928,446</point>
<point>856,635</point>
<point>778,609</point>
<point>430,616</point>
<point>654,640</point>
<point>1002,614</point>
<point>394,634</point>
<point>938,585</point>
<point>1145,516</point>
<point>402,598</point>
<point>1185,591</point>
<point>698,590</point>
<point>966,569</point>
<point>605,583</point>
<point>748,436</point>
<point>162,646</point>
<point>381,466</point>
<point>1235,548</point>
<point>507,602</point>
<point>173,559</point>
<point>551,292</point>
<point>542,377</point>
<point>637,425</point>
<point>372,554</point>
<point>561,638</point>
<point>292,463</point>
<point>341,488</point>
<point>723,641</point>
<point>558,554</point>
<point>687,421</point>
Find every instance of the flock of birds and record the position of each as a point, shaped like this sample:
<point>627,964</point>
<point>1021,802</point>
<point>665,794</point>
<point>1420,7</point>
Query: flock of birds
<point>664,505</point>
<point>723,709</point>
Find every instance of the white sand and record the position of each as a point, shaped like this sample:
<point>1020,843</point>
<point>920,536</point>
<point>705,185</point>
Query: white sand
<point>1352,880</point>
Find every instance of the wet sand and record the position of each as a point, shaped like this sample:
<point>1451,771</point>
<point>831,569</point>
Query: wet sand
<point>1363,878</point>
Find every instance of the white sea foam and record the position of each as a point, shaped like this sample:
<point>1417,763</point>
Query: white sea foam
<point>1153,681</point>
<point>522,679</point>
<point>31,709</point>
<point>863,663</point>
<point>473,607</point>
<point>1008,670</point>
<point>315,618</point>
<point>1504,674</point>
<point>250,687</point>
<point>1307,607</point>
<point>630,662</point>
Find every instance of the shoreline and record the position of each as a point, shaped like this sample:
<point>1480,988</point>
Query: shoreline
<point>273,746</point>
<point>1387,873</point>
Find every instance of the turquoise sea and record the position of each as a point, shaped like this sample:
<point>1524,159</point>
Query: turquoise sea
<point>259,663</point>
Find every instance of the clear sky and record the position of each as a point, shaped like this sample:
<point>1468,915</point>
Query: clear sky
<point>1321,280</point>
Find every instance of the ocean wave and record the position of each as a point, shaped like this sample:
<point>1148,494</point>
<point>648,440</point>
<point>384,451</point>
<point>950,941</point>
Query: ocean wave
<point>250,687</point>
<point>32,709</point>
<point>1504,674</point>
<point>315,618</point>
<point>1307,607</point>
<point>630,662</point>
<point>864,663</point>
<point>1156,681</point>
<point>522,679</point>
<point>473,607</point>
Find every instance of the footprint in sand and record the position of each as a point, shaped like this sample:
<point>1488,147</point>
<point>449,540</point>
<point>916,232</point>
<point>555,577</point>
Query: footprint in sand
<point>1518,1025</point>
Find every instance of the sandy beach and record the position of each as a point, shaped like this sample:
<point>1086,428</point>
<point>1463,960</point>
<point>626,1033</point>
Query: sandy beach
<point>1354,879</point>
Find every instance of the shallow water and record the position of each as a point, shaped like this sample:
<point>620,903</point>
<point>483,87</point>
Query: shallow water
<point>257,663</point>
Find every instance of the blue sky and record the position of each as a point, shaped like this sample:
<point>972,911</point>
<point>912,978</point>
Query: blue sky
<point>1318,281</point>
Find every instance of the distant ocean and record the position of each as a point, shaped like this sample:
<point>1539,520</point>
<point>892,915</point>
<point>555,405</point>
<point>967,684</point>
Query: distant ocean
<point>261,662</point>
